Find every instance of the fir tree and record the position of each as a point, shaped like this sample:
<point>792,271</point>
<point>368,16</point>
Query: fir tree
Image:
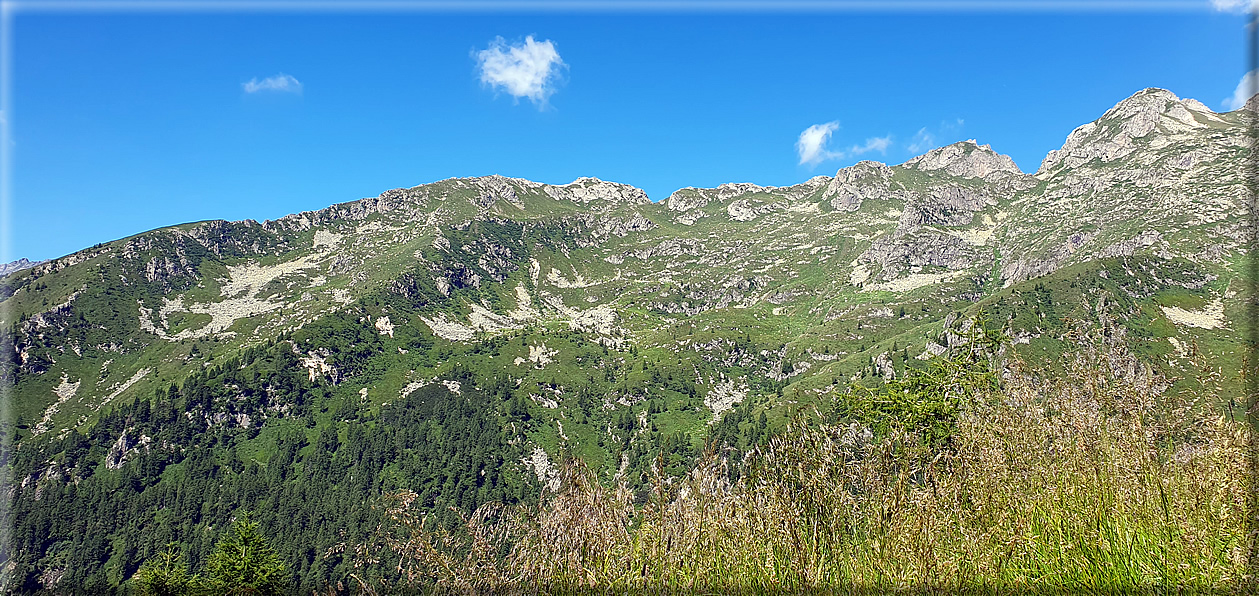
<point>243,563</point>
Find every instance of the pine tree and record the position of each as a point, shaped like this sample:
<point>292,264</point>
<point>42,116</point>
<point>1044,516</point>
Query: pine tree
<point>243,563</point>
<point>164,575</point>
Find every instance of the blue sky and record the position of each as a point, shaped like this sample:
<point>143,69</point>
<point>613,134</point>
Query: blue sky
<point>124,122</point>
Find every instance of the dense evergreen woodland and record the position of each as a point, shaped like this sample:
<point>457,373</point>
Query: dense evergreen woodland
<point>315,489</point>
<point>309,459</point>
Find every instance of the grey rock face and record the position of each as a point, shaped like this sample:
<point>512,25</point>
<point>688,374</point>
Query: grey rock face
<point>896,253</point>
<point>853,185</point>
<point>1252,104</point>
<point>883,365</point>
<point>18,265</point>
<point>1116,133</point>
<point>945,206</point>
<point>597,229</point>
<point>967,159</point>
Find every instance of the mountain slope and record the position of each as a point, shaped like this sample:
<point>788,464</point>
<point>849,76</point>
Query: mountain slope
<point>584,319</point>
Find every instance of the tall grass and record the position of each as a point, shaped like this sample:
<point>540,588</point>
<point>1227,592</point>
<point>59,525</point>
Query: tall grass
<point>1088,483</point>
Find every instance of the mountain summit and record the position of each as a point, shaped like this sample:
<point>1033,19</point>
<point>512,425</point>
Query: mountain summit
<point>967,159</point>
<point>457,337</point>
<point>1121,130</point>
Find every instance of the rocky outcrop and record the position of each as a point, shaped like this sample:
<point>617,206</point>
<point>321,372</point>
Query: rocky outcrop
<point>743,201</point>
<point>1025,266</point>
<point>896,253</point>
<point>1114,135</point>
<point>597,228</point>
<point>594,190</point>
<point>750,209</point>
<point>1126,248</point>
<point>500,188</point>
<point>967,159</point>
<point>686,199</point>
<point>1252,104</point>
<point>883,366</point>
<point>950,206</point>
<point>853,185</point>
<point>123,448</point>
<point>346,212</point>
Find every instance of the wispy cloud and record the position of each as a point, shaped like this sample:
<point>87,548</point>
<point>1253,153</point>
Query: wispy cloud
<point>811,146</point>
<point>927,138</point>
<point>1244,91</point>
<point>530,69</point>
<point>879,144</point>
<point>280,83</point>
<point>1234,5</point>
<point>922,141</point>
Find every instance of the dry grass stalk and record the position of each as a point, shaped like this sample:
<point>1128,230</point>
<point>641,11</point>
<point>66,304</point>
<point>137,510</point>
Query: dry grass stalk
<point>1084,483</point>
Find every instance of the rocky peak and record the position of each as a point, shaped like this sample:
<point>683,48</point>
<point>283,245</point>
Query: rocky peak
<point>854,184</point>
<point>967,159</point>
<point>1111,137</point>
<point>1252,104</point>
<point>691,197</point>
<point>1150,100</point>
<point>863,170</point>
<point>734,189</point>
<point>1140,114</point>
<point>495,188</point>
<point>1196,105</point>
<point>585,190</point>
<point>500,182</point>
<point>685,199</point>
<point>18,265</point>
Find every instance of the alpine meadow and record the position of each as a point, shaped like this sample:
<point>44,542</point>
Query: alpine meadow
<point>944,375</point>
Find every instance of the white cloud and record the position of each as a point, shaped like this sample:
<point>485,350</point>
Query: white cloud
<point>528,69</point>
<point>922,141</point>
<point>1234,5</point>
<point>879,144</point>
<point>1244,91</point>
<point>280,83</point>
<point>928,138</point>
<point>812,144</point>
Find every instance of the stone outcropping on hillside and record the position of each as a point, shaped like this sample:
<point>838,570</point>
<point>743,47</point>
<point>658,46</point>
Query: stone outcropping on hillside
<point>1154,176</point>
<point>967,159</point>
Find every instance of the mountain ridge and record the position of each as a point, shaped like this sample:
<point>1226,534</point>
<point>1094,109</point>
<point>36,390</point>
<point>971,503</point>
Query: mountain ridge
<point>586,320</point>
<point>1142,106</point>
<point>958,212</point>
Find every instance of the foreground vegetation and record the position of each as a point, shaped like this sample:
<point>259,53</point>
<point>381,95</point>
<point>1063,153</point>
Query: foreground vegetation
<point>242,563</point>
<point>1087,482</point>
